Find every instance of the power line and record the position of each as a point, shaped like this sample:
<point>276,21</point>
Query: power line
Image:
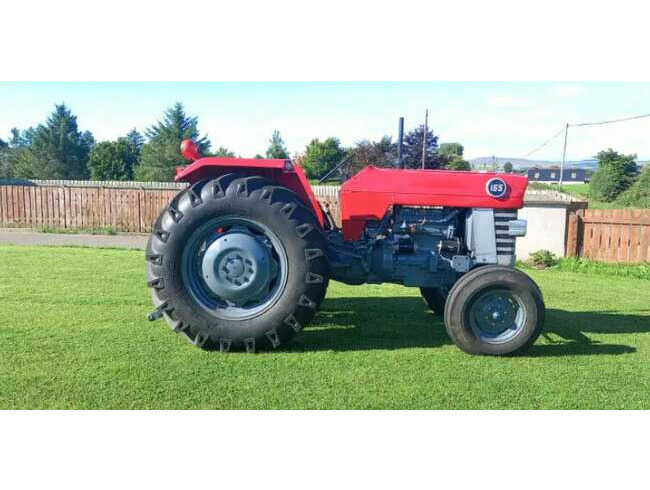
<point>545,143</point>
<point>611,121</point>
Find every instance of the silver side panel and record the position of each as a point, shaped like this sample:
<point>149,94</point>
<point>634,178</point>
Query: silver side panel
<point>480,237</point>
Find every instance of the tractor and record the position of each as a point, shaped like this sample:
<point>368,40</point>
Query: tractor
<point>242,258</point>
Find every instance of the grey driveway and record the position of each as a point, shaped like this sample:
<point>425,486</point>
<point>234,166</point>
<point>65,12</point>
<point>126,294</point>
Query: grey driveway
<point>27,237</point>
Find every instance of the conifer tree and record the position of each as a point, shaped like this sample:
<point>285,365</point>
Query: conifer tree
<point>277,149</point>
<point>161,154</point>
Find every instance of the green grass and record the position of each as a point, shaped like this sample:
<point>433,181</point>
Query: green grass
<point>581,191</point>
<point>577,190</point>
<point>73,334</point>
<point>68,231</point>
<point>590,266</point>
<point>73,231</point>
<point>574,264</point>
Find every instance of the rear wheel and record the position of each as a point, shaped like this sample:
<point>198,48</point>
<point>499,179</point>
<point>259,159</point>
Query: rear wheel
<point>237,261</point>
<point>494,310</point>
<point>435,298</point>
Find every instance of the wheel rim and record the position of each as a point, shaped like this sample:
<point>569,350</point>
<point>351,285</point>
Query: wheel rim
<point>235,268</point>
<point>497,315</point>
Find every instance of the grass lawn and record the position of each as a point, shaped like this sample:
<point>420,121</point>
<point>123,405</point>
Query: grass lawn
<point>73,334</point>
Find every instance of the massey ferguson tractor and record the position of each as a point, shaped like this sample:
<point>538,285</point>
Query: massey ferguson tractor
<point>242,258</point>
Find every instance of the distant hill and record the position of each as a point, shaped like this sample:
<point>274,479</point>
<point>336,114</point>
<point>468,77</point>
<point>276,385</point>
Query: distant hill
<point>524,164</point>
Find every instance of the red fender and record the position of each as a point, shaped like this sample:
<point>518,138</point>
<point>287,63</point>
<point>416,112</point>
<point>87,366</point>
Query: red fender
<point>285,172</point>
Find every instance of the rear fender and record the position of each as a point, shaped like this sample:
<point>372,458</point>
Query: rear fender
<point>283,172</point>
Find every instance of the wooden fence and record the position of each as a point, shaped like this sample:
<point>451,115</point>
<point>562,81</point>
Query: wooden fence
<point>610,235</point>
<point>114,184</point>
<point>127,210</point>
<point>613,235</point>
<point>122,209</point>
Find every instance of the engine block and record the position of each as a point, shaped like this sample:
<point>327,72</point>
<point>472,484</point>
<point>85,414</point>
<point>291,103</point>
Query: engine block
<point>425,246</point>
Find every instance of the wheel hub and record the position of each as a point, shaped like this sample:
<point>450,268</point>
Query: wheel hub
<point>496,316</point>
<point>238,268</point>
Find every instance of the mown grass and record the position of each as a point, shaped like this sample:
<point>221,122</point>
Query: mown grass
<point>73,334</point>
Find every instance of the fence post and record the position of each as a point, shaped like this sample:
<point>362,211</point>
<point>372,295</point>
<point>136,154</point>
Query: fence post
<point>573,231</point>
<point>572,236</point>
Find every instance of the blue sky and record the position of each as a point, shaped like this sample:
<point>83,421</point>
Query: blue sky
<point>506,119</point>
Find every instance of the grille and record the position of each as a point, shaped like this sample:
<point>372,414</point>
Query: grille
<point>505,242</point>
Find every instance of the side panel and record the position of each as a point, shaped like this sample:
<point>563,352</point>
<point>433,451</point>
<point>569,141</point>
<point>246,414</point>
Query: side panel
<point>480,237</point>
<point>283,172</point>
<point>370,193</point>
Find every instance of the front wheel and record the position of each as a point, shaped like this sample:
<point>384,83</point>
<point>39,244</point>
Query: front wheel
<point>494,310</point>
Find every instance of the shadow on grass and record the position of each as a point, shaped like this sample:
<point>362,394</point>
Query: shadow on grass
<point>347,324</point>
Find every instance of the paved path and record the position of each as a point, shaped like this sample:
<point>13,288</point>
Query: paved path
<point>29,237</point>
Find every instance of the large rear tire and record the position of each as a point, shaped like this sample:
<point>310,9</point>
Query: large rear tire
<point>237,262</point>
<point>435,298</point>
<point>494,310</point>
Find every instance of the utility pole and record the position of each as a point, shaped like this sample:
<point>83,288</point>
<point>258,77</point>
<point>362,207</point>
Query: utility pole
<point>424,138</point>
<point>566,137</point>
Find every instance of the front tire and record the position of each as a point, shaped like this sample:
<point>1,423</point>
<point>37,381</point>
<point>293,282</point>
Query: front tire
<point>237,262</point>
<point>494,310</point>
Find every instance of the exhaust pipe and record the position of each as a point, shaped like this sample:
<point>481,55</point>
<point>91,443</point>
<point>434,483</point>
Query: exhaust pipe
<point>400,141</point>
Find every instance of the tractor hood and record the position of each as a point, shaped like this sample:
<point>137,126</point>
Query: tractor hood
<point>371,192</point>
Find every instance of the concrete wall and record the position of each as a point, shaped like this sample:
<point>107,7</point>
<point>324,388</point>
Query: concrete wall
<point>546,229</point>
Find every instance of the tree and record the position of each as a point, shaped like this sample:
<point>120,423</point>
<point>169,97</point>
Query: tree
<point>258,157</point>
<point>113,160</point>
<point>450,156</point>
<point>639,194</point>
<point>224,152</point>
<point>615,174</point>
<point>21,138</point>
<point>412,149</point>
<point>507,167</point>
<point>6,167</point>
<point>161,154</point>
<point>450,149</point>
<point>277,148</point>
<point>54,150</point>
<point>322,156</point>
<point>136,140</point>
<point>381,154</point>
<point>13,154</point>
<point>455,162</point>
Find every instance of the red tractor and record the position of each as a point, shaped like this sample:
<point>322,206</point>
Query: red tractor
<point>243,257</point>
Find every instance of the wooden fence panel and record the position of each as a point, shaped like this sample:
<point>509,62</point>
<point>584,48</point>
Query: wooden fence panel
<point>328,196</point>
<point>611,235</point>
<point>124,208</point>
<point>4,215</point>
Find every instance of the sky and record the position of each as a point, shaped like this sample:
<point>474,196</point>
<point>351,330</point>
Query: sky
<point>506,119</point>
